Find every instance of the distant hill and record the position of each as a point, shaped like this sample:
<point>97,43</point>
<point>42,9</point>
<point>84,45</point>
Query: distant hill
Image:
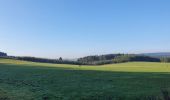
<point>158,54</point>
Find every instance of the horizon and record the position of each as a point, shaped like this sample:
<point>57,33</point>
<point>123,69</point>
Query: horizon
<point>84,55</point>
<point>73,29</point>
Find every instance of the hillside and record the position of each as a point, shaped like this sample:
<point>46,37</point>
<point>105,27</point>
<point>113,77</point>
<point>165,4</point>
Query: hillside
<point>22,80</point>
<point>159,54</point>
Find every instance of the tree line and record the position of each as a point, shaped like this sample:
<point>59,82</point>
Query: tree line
<point>93,60</point>
<point>97,59</point>
<point>119,58</point>
<point>165,59</point>
<point>2,54</point>
<point>43,60</point>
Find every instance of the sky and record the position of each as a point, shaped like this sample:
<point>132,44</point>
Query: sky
<point>76,28</point>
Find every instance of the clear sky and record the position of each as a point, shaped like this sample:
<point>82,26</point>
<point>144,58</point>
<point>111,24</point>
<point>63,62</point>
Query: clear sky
<point>75,28</point>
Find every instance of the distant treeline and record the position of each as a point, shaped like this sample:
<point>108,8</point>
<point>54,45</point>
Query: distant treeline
<point>98,59</point>
<point>3,54</point>
<point>43,60</point>
<point>165,59</point>
<point>119,58</point>
<point>93,60</point>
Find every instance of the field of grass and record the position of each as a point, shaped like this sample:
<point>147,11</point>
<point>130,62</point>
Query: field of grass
<point>21,80</point>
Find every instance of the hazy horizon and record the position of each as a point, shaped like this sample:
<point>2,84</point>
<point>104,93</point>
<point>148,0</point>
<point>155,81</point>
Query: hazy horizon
<point>77,28</point>
<point>76,57</point>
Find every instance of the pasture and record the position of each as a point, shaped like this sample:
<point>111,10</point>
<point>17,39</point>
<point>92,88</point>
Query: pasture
<point>20,80</point>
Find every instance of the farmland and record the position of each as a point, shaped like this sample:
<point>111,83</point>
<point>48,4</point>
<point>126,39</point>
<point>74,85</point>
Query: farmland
<point>21,80</point>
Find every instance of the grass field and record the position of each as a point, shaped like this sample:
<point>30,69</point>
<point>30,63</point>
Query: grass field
<point>21,80</point>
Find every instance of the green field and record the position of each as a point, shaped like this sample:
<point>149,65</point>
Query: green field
<point>21,80</point>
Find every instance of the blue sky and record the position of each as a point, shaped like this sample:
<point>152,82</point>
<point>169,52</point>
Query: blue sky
<point>75,28</point>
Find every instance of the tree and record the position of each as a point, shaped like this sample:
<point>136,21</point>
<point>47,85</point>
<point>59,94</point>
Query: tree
<point>60,59</point>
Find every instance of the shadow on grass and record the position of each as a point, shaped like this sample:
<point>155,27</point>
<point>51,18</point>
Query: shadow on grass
<point>51,83</point>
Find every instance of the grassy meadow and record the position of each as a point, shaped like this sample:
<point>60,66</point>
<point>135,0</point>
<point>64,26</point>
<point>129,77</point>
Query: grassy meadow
<point>20,80</point>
